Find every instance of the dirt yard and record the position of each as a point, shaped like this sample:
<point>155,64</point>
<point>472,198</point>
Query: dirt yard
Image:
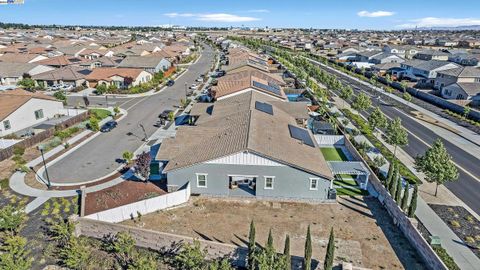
<point>121,194</point>
<point>365,234</point>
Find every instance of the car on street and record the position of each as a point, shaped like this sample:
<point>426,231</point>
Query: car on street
<point>193,87</point>
<point>170,82</point>
<point>164,115</point>
<point>108,126</point>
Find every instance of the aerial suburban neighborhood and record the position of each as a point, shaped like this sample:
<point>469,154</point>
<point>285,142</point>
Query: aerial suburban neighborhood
<point>239,135</point>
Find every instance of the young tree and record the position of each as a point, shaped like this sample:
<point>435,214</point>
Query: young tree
<point>75,255</point>
<point>330,255</point>
<point>286,252</point>
<point>127,156</point>
<point>404,204</point>
<point>93,123</point>
<point>391,171</point>
<point>269,240</point>
<point>12,218</point>
<point>122,245</point>
<point>142,165</point>
<point>379,161</point>
<point>407,97</point>
<point>396,135</point>
<point>223,264</point>
<point>398,190</point>
<point>307,259</point>
<point>437,165</point>
<point>143,262</point>
<point>346,93</point>
<point>251,247</point>
<point>377,119</point>
<point>191,256</point>
<point>361,102</point>
<point>466,111</point>
<point>27,83</point>
<point>14,254</point>
<point>116,110</point>
<point>413,203</point>
<point>394,184</point>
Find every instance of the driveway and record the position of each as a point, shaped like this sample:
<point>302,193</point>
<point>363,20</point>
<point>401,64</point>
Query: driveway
<point>100,156</point>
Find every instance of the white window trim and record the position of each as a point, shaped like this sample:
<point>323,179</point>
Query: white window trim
<point>311,180</point>
<point>206,180</point>
<point>265,184</point>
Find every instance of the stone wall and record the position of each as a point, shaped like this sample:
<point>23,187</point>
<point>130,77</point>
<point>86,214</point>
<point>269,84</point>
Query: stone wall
<point>431,259</point>
<point>167,243</point>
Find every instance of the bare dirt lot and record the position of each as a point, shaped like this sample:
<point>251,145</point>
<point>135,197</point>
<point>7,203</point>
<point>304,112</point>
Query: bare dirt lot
<point>365,234</point>
<point>124,193</point>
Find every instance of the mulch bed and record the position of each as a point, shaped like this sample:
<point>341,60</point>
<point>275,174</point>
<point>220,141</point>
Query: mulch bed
<point>124,193</point>
<point>462,223</point>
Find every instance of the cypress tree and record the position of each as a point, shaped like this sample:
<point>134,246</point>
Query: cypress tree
<point>393,187</point>
<point>270,240</point>
<point>286,252</point>
<point>404,203</point>
<point>251,247</point>
<point>307,260</point>
<point>328,263</point>
<point>392,184</point>
<point>398,191</point>
<point>413,203</point>
<point>390,174</point>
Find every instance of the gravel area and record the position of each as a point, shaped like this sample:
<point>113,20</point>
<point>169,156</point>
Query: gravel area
<point>462,223</point>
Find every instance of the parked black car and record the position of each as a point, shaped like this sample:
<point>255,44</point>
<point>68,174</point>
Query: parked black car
<point>108,126</point>
<point>164,114</point>
<point>170,82</point>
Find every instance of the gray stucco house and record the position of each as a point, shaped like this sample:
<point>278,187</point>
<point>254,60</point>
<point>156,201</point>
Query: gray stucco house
<point>150,63</point>
<point>247,145</point>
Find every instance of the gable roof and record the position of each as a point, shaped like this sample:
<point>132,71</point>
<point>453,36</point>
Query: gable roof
<point>9,69</point>
<point>105,73</point>
<point>68,73</point>
<point>462,72</point>
<point>148,61</point>
<point>235,125</point>
<point>10,101</point>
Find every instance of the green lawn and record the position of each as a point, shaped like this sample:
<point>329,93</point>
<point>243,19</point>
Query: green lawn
<point>333,154</point>
<point>100,113</point>
<point>351,192</point>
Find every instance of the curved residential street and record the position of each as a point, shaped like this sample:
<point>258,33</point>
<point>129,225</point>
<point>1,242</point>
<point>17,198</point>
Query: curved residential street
<point>100,156</point>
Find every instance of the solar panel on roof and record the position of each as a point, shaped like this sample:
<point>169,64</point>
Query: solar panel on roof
<point>264,107</point>
<point>301,134</point>
<point>275,90</point>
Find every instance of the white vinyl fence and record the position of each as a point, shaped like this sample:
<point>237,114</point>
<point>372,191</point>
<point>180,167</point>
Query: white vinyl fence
<point>329,140</point>
<point>124,212</point>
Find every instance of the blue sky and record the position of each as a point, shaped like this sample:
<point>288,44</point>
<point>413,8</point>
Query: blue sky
<point>359,14</point>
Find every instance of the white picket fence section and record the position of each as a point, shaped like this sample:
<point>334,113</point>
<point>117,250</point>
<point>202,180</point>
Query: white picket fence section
<point>329,140</point>
<point>124,212</point>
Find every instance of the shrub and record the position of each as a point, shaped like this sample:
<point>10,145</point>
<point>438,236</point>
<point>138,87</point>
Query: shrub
<point>18,150</point>
<point>449,262</point>
<point>470,240</point>
<point>455,224</point>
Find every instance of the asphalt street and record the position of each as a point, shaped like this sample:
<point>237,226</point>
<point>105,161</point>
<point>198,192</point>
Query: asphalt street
<point>467,188</point>
<point>101,155</point>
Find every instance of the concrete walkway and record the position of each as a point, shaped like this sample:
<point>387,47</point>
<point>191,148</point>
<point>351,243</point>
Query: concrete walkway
<point>454,246</point>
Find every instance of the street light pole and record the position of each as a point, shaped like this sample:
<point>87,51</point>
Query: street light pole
<point>186,91</point>
<point>45,165</point>
<point>144,132</point>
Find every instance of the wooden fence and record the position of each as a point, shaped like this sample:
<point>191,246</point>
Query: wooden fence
<point>37,138</point>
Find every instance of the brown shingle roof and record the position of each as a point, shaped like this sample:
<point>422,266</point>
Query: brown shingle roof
<point>105,73</point>
<point>235,125</point>
<point>10,101</point>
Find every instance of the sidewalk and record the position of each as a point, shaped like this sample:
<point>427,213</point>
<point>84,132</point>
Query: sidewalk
<point>472,137</point>
<point>455,247</point>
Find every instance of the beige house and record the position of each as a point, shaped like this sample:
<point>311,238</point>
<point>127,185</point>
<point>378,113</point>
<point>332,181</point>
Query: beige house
<point>120,77</point>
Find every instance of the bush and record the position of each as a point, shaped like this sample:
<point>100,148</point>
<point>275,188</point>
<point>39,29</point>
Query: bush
<point>449,262</point>
<point>18,150</point>
<point>455,224</point>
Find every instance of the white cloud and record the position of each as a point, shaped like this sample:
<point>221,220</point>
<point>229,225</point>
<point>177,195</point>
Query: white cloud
<point>440,22</point>
<point>259,11</point>
<point>174,15</point>
<point>213,17</point>
<point>375,14</point>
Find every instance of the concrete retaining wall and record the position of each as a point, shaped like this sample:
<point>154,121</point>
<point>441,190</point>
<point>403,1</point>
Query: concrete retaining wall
<point>432,261</point>
<point>125,212</point>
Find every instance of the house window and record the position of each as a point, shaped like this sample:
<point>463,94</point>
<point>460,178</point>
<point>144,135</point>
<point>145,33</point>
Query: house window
<point>39,114</point>
<point>269,182</point>
<point>314,183</point>
<point>6,124</point>
<point>201,180</point>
